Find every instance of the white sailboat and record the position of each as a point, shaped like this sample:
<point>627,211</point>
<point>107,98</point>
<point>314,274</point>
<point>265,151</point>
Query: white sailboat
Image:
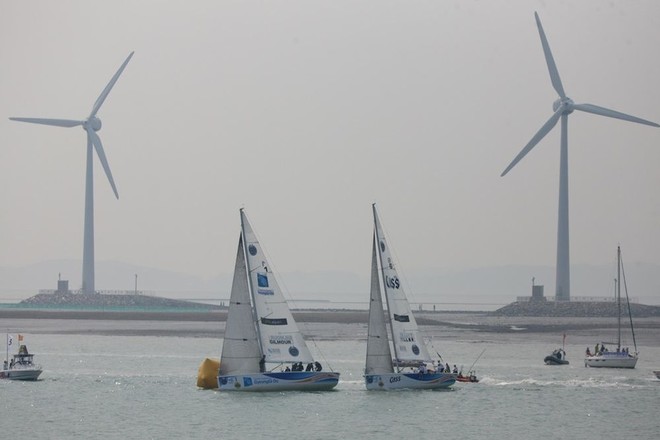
<point>263,349</point>
<point>621,357</point>
<point>412,366</point>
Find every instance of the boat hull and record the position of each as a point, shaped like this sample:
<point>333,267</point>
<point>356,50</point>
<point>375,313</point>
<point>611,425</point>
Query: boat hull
<point>283,381</point>
<point>611,360</point>
<point>395,381</point>
<point>20,374</point>
<point>554,360</point>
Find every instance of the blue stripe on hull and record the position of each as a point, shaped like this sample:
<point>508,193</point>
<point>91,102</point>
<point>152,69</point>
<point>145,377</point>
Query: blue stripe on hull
<point>392,381</point>
<point>284,381</point>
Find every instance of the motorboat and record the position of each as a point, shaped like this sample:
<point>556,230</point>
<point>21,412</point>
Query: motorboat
<point>21,366</point>
<point>557,357</point>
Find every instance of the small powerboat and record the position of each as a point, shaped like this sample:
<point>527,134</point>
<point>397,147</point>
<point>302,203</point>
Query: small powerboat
<point>557,357</point>
<point>657,374</point>
<point>471,377</point>
<point>21,366</point>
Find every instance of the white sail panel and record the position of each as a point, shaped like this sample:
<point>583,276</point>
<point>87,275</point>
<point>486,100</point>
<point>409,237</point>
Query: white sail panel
<point>281,341</point>
<point>408,342</point>
<point>240,349</point>
<point>379,355</point>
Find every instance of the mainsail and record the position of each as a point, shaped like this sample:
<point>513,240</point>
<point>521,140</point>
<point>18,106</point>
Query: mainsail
<point>281,341</point>
<point>240,349</point>
<point>379,356</point>
<point>407,340</point>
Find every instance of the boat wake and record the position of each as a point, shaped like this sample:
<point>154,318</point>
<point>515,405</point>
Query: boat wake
<point>529,383</point>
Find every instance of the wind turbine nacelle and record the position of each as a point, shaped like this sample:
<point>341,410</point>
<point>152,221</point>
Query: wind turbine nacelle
<point>94,123</point>
<point>567,103</point>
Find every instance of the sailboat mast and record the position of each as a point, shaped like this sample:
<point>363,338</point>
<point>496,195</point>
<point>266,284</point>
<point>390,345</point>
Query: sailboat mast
<point>255,318</point>
<point>382,279</point>
<point>618,293</point>
<point>625,286</point>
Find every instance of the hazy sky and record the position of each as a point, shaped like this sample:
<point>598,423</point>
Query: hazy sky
<point>306,112</point>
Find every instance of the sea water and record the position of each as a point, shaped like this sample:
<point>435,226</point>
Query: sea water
<point>143,387</point>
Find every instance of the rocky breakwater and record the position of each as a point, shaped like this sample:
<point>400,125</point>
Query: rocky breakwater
<point>110,301</point>
<point>575,309</point>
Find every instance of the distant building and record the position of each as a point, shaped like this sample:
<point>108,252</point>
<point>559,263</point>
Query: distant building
<point>62,286</point>
<point>537,293</point>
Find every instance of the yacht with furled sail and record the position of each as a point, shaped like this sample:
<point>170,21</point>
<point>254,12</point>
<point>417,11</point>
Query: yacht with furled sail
<point>411,366</point>
<point>263,349</point>
<point>21,366</point>
<point>621,357</point>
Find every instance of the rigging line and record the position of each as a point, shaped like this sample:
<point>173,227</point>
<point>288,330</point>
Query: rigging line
<point>475,361</point>
<point>625,285</point>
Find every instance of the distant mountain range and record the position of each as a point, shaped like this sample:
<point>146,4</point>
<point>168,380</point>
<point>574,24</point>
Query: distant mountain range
<point>486,285</point>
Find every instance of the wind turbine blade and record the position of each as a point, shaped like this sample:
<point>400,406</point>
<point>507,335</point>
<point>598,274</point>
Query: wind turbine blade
<point>55,122</point>
<point>536,139</point>
<point>550,61</point>
<point>602,111</point>
<point>106,91</point>
<point>96,140</point>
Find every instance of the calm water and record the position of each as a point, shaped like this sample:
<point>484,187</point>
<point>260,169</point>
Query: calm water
<point>134,387</point>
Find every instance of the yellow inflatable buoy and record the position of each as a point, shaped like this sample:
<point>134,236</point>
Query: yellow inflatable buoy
<point>207,375</point>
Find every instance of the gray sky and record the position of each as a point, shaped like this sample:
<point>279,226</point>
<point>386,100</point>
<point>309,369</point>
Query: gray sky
<point>306,112</point>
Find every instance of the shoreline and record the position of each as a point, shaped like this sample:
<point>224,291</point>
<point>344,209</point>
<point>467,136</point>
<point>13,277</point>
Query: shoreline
<point>322,324</point>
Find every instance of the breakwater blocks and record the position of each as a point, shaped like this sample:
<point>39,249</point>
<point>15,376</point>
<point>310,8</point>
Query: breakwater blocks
<point>575,309</point>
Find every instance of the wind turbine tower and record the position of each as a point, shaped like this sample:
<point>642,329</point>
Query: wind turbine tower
<point>563,107</point>
<point>91,125</point>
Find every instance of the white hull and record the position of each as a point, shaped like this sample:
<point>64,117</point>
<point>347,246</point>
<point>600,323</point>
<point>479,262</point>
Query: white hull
<point>20,374</point>
<point>417,381</point>
<point>611,360</point>
<point>283,381</point>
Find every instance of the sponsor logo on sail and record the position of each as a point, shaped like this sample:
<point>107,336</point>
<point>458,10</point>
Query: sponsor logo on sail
<point>382,246</point>
<point>262,280</point>
<point>274,321</point>
<point>415,349</point>
<point>252,249</point>
<point>293,351</point>
<point>406,337</point>
<point>392,283</point>
<point>401,318</point>
<point>280,339</point>
<point>265,292</point>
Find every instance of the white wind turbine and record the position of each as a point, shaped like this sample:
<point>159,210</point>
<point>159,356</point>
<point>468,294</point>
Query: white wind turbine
<point>91,125</point>
<point>562,108</point>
